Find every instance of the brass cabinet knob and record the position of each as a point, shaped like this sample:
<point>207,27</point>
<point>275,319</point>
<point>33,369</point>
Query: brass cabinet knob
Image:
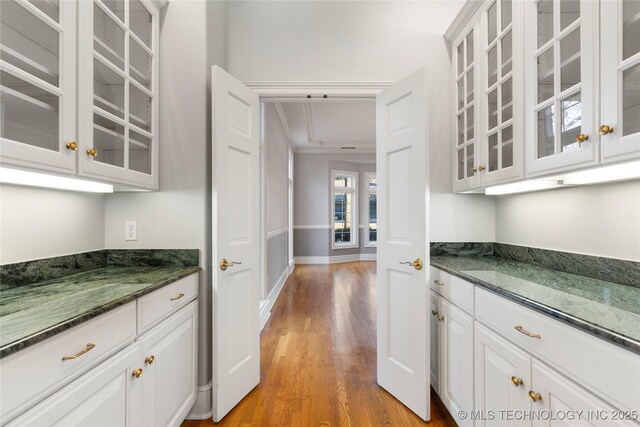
<point>417,264</point>
<point>481,168</point>
<point>580,138</point>
<point>440,317</point>
<point>516,381</point>
<point>434,312</point>
<point>92,152</point>
<point>137,373</point>
<point>474,170</point>
<point>72,145</point>
<point>605,129</point>
<point>149,360</point>
<point>535,397</point>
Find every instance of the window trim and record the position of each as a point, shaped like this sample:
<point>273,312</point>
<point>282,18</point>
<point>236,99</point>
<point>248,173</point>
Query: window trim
<point>354,216</point>
<point>367,192</point>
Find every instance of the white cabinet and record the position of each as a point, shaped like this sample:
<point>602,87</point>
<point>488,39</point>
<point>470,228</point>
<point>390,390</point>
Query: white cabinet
<point>170,383</point>
<point>434,341</point>
<point>80,89</point>
<point>620,77</point>
<point>109,395</point>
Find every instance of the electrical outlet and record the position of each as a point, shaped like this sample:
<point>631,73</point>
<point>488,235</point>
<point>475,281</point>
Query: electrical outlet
<point>130,230</point>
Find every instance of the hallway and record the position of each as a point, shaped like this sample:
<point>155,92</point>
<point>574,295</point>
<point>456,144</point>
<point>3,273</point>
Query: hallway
<point>318,357</point>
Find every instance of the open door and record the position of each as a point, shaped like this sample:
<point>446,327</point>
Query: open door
<point>403,255</point>
<point>236,241</point>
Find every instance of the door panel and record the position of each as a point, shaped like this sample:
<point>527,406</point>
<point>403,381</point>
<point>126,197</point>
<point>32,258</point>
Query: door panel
<point>402,170</point>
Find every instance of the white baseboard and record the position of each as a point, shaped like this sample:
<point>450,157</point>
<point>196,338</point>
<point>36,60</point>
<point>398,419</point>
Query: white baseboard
<point>265,309</point>
<point>334,259</point>
<point>292,266</point>
<point>202,409</point>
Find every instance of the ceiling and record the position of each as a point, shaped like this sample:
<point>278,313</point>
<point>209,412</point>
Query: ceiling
<point>330,125</point>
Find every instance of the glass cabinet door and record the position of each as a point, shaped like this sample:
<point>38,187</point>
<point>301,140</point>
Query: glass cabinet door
<point>466,155</point>
<point>119,110</point>
<point>561,50</point>
<point>620,77</point>
<point>37,84</point>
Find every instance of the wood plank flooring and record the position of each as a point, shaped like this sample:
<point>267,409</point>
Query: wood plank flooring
<point>318,357</point>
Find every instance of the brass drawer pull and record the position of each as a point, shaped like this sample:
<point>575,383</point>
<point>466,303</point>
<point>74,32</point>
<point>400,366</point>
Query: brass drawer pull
<point>149,360</point>
<point>534,396</point>
<point>434,312</point>
<point>438,282</point>
<point>440,317</point>
<point>180,295</point>
<point>516,381</point>
<point>137,373</point>
<point>87,349</point>
<point>525,332</point>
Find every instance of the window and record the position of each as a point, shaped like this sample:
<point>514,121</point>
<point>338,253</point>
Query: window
<point>371,232</point>
<point>344,208</point>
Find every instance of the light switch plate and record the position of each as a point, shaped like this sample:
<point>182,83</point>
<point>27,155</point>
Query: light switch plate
<point>130,230</point>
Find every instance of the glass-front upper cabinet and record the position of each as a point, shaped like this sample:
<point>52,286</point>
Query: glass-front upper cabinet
<point>561,45</point>
<point>118,97</point>
<point>38,84</point>
<point>502,92</point>
<point>620,80</point>
<point>466,153</point>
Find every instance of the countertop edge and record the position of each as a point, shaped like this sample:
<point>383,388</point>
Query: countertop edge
<point>42,335</point>
<point>615,338</point>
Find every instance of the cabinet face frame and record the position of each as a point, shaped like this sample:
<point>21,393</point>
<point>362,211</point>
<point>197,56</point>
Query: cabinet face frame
<point>87,166</point>
<point>588,153</point>
<point>62,160</point>
<point>615,147</point>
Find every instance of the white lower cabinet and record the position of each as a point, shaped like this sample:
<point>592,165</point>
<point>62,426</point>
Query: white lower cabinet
<point>434,339</point>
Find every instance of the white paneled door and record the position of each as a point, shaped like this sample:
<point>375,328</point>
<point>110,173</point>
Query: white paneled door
<point>236,241</point>
<point>403,257</point>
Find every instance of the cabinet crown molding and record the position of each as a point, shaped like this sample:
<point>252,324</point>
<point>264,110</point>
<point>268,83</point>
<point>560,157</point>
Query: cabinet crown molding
<point>467,12</point>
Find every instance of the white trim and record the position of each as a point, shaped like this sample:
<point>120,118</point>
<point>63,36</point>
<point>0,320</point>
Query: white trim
<point>275,233</point>
<point>467,12</point>
<point>312,227</point>
<point>265,309</point>
<point>334,259</point>
<point>272,89</point>
<point>353,190</point>
<point>292,265</point>
<point>202,409</point>
<point>285,125</point>
<point>367,193</point>
<point>335,150</point>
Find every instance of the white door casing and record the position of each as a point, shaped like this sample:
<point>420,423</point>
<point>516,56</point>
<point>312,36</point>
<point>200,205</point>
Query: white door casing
<point>402,290</point>
<point>236,226</point>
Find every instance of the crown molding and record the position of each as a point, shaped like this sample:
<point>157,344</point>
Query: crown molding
<point>464,16</point>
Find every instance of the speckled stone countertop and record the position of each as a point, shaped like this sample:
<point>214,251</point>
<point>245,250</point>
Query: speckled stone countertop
<point>32,312</point>
<point>605,309</point>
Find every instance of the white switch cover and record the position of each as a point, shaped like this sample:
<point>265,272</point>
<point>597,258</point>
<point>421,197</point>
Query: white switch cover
<point>130,230</point>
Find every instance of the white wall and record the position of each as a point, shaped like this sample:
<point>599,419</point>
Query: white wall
<point>40,223</point>
<point>276,171</point>
<point>602,220</point>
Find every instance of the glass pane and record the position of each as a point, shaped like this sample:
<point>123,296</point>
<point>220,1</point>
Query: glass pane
<point>109,38</point>
<point>569,12</point>
<point>341,181</point>
<point>507,53</point>
<point>570,60</point>
<point>470,48</point>
<point>493,152</point>
<point>470,85</point>
<point>492,22</point>
<point>51,8</point>
<point>493,109</point>
<point>373,218</point>
<point>571,109</point>
<point>28,43</point>
<point>507,100</point>
<point>342,217</point>
<point>545,75</point>
<point>469,160</point>
<point>461,164</point>
<point>460,93</point>
<point>28,114</point>
<point>507,147</point>
<point>139,64</point>
<point>506,13</point>
<point>546,132</point>
<point>460,58</point>
<point>139,108</point>
<point>460,128</point>
<point>630,28</point>
<point>631,100</point>
<point>108,140</point>
<point>372,183</point>
<point>140,21</point>
<point>492,59</point>
<point>470,123</point>
<point>139,152</point>
<point>115,6</point>
<point>545,21</point>
<point>108,89</point>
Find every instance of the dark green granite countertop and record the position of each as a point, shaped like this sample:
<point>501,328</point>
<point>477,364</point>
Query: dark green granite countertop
<point>605,309</point>
<point>34,312</point>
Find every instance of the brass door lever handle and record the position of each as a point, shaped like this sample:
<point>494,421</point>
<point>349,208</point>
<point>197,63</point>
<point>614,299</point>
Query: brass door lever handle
<point>224,264</point>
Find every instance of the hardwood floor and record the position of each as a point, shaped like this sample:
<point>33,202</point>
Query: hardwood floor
<point>318,357</point>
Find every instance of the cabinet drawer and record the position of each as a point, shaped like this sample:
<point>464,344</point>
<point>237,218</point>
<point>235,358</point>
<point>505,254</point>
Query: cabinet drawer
<point>456,290</point>
<point>32,374</point>
<point>590,361</point>
<point>158,304</point>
